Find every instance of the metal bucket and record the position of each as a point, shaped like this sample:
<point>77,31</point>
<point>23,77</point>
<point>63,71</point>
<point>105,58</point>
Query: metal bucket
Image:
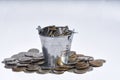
<point>54,47</point>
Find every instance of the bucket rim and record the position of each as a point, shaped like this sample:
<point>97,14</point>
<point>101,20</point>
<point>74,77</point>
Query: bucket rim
<point>57,36</point>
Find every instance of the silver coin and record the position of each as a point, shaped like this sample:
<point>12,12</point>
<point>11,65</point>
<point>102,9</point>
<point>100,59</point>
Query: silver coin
<point>85,58</point>
<point>24,59</point>
<point>57,72</point>
<point>82,65</point>
<point>79,71</point>
<point>21,65</point>
<point>45,68</point>
<point>32,67</point>
<point>38,58</point>
<point>101,60</point>
<point>9,60</point>
<point>9,66</point>
<point>43,71</point>
<point>12,62</point>
<point>18,69</point>
<point>25,62</point>
<point>39,63</point>
<point>61,68</point>
<point>34,55</point>
<point>17,56</point>
<point>28,71</point>
<point>33,50</point>
<point>97,63</point>
<point>84,70</point>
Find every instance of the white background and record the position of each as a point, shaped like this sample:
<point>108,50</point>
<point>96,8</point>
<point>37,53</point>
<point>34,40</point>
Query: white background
<point>97,24</point>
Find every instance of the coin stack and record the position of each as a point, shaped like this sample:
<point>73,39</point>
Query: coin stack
<point>53,31</point>
<point>83,64</point>
<point>33,61</point>
<point>25,61</point>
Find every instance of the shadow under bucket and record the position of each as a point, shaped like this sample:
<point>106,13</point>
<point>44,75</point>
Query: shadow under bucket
<point>56,43</point>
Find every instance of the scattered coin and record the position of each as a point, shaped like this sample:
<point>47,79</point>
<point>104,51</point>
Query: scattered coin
<point>9,60</point>
<point>21,65</point>
<point>61,68</point>
<point>57,72</point>
<point>28,71</point>
<point>72,57</point>
<point>39,62</point>
<point>82,65</point>
<point>97,63</point>
<point>17,56</point>
<point>24,59</point>
<point>31,54</point>
<point>33,50</point>
<point>85,58</point>
<point>9,66</point>
<point>79,71</point>
<point>32,67</point>
<point>42,71</point>
<point>18,69</point>
<point>12,62</point>
<point>82,71</point>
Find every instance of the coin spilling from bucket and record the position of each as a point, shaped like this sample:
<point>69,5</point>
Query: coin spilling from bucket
<point>34,61</point>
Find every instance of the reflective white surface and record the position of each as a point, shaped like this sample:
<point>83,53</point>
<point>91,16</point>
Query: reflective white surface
<point>97,24</point>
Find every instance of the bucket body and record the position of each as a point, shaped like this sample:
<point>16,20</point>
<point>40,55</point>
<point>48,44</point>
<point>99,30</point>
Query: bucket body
<point>54,47</point>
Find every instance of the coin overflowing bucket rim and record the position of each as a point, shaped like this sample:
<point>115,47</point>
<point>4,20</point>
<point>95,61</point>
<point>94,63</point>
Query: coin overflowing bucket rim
<point>39,30</point>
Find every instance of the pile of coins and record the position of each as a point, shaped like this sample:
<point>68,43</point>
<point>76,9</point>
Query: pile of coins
<point>33,61</point>
<point>53,31</point>
<point>25,61</point>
